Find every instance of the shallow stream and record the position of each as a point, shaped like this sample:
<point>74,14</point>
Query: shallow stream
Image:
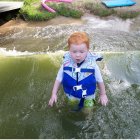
<point>29,60</point>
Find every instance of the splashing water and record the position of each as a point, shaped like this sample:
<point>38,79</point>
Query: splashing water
<point>29,61</point>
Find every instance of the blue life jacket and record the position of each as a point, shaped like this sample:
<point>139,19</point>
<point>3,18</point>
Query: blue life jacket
<point>80,81</point>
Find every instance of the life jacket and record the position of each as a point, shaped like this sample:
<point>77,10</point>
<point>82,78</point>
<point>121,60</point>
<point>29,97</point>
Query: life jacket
<point>80,81</point>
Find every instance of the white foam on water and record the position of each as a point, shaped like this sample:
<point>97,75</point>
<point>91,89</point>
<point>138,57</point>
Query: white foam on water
<point>5,52</point>
<point>110,23</point>
<point>14,52</point>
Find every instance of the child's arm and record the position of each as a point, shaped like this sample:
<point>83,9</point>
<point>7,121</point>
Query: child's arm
<point>103,97</point>
<point>56,86</point>
<point>53,98</point>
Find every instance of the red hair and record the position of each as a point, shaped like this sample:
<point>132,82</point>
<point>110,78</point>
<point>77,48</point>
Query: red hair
<point>78,38</point>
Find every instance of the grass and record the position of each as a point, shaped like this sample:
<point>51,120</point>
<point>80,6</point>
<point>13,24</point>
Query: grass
<point>126,15</point>
<point>100,10</point>
<point>66,11</point>
<point>33,11</point>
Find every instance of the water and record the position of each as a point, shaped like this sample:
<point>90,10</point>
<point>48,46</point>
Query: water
<point>28,68</point>
<point>116,35</point>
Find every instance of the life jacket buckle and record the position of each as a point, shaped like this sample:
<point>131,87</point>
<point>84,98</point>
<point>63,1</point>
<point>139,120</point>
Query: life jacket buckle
<point>84,93</point>
<point>77,69</point>
<point>78,87</point>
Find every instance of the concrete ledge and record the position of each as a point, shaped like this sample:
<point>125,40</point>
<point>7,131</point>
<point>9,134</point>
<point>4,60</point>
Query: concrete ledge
<point>8,6</point>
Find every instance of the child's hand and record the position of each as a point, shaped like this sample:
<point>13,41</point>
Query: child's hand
<point>103,99</point>
<point>53,100</point>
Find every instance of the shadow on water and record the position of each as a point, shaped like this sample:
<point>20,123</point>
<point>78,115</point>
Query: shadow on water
<point>26,81</point>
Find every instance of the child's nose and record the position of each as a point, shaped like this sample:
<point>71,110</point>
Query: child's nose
<point>77,54</point>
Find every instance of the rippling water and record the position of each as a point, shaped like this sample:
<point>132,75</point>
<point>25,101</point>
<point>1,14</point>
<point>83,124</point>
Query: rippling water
<point>105,35</point>
<point>28,71</point>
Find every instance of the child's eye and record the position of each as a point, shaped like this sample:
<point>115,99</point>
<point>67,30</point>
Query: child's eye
<point>74,51</point>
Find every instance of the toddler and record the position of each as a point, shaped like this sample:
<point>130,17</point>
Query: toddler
<point>79,74</point>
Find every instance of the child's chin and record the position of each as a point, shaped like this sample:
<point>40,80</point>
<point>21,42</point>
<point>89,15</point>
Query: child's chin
<point>78,61</point>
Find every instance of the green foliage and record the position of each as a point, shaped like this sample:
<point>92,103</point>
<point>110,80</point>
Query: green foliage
<point>126,15</point>
<point>66,11</point>
<point>32,10</point>
<point>33,14</point>
<point>29,2</point>
<point>99,10</point>
<point>102,11</point>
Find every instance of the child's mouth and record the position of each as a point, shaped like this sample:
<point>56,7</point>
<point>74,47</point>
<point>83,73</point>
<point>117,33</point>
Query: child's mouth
<point>78,60</point>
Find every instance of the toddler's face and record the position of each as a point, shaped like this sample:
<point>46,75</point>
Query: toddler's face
<point>78,52</point>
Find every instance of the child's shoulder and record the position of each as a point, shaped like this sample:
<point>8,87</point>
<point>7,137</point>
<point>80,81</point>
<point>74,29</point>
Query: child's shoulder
<point>66,54</point>
<point>95,56</point>
<point>66,59</point>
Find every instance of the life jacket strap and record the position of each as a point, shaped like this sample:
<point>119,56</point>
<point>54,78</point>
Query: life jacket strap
<point>79,87</point>
<point>78,69</point>
<point>84,93</point>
